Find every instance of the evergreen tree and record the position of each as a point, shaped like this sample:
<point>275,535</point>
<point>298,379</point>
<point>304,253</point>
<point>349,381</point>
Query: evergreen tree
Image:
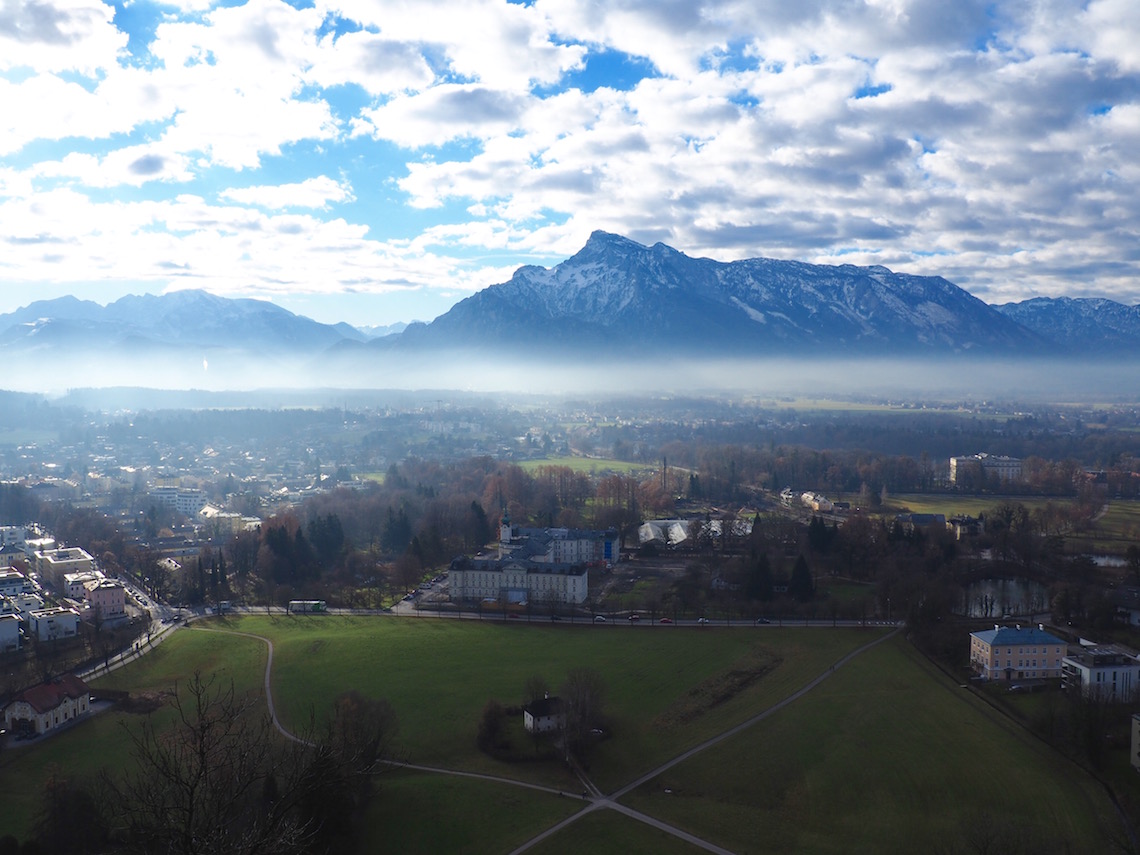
<point>801,586</point>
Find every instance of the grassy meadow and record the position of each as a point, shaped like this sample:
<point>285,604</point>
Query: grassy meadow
<point>1111,533</point>
<point>886,756</point>
<point>865,762</point>
<point>102,742</point>
<point>439,674</point>
<point>589,465</point>
<point>952,505</point>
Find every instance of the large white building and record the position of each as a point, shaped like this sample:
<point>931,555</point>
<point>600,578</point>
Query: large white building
<point>517,581</point>
<point>1107,673</point>
<point>558,545</point>
<point>54,564</point>
<point>184,500</point>
<point>1005,468</point>
<point>53,623</point>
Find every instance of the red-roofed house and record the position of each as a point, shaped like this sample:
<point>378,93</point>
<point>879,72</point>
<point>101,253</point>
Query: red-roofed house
<point>47,706</point>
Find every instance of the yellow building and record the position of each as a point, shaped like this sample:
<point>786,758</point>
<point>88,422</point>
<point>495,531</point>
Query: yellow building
<point>1016,653</point>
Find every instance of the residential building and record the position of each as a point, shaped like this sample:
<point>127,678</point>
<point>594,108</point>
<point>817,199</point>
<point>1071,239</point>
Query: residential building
<point>107,600</point>
<point>546,715</point>
<point>516,581</point>
<point>9,632</point>
<point>185,500</point>
<point>21,605</point>
<point>38,544</point>
<point>48,705</point>
<point>75,584</point>
<point>966,526</point>
<point>1107,673</point>
<point>11,554</point>
<point>13,582</point>
<point>48,624</point>
<point>220,523</point>
<point>54,564</point>
<point>1016,653</point>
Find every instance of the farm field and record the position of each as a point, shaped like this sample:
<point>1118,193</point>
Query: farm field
<point>867,763</point>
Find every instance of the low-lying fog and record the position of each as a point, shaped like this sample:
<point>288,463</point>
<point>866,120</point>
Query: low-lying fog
<point>911,378</point>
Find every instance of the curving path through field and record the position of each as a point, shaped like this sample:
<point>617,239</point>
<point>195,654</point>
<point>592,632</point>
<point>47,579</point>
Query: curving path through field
<point>595,799</point>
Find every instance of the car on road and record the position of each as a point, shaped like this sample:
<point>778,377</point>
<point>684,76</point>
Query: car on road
<point>665,620</point>
<point>702,620</point>
<point>513,615</point>
<point>633,618</point>
<point>599,618</point>
<point>760,621</point>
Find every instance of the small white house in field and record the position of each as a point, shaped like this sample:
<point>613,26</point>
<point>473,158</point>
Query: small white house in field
<point>546,715</point>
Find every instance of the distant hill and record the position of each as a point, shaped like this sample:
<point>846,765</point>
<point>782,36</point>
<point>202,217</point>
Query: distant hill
<point>169,321</point>
<point>1093,327</point>
<point>616,303</point>
<point>618,296</point>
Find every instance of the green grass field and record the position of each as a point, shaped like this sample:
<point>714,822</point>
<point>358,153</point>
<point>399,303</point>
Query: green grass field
<point>439,674</point>
<point>589,465</point>
<point>102,742</point>
<point>1112,533</point>
<point>606,832</point>
<point>440,813</point>
<point>952,505</point>
<point>887,756</point>
<point>862,763</point>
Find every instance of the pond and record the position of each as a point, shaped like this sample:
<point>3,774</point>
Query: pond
<point>995,598</point>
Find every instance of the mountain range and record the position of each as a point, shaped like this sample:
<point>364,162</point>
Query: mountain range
<point>613,299</point>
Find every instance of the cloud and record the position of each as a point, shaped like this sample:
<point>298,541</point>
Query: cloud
<point>132,165</point>
<point>443,113</point>
<point>61,35</point>
<point>310,193</point>
<point>989,142</point>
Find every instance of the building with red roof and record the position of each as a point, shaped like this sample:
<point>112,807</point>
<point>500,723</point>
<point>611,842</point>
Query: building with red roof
<point>47,706</point>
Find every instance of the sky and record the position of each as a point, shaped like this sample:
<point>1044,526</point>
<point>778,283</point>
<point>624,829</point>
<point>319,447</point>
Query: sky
<point>375,161</point>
